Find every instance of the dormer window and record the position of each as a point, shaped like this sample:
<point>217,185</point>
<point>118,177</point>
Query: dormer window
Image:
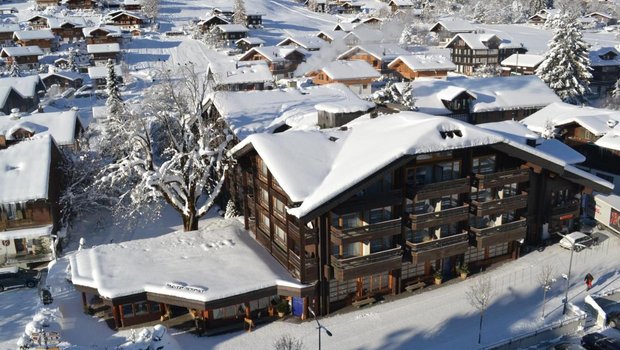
<point>450,134</point>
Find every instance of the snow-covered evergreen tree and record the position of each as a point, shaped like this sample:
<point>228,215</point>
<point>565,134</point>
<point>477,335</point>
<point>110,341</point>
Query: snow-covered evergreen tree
<point>537,5</point>
<point>408,99</point>
<point>72,65</point>
<point>487,70</point>
<point>480,12</point>
<point>406,37</point>
<point>150,8</point>
<point>239,13</point>
<point>566,67</point>
<point>231,210</point>
<point>613,100</point>
<point>189,171</point>
<point>14,70</point>
<point>313,5</point>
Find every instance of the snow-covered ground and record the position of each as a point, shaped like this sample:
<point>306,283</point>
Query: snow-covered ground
<point>438,318</point>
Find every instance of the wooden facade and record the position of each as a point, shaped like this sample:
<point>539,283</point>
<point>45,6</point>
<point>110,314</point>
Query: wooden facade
<point>279,68</point>
<point>79,4</point>
<point>468,59</point>
<point>421,216</point>
<point>42,43</point>
<point>408,73</point>
<point>102,36</point>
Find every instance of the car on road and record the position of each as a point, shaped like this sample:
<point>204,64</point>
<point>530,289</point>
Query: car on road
<point>577,239</point>
<point>598,341</point>
<point>18,277</point>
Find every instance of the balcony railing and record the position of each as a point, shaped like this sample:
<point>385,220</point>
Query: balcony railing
<point>358,234</point>
<point>349,268</point>
<point>440,189</point>
<point>489,236</point>
<point>497,206</point>
<point>370,200</point>
<point>308,272</point>
<point>439,248</point>
<point>569,210</point>
<point>310,236</point>
<point>438,218</point>
<point>29,258</point>
<point>502,178</point>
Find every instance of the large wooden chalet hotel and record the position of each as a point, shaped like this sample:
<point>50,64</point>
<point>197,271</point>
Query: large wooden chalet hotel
<point>385,205</point>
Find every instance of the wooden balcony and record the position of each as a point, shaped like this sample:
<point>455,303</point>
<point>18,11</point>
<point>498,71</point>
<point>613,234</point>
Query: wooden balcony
<point>358,266</point>
<point>489,236</point>
<point>378,200</point>
<point>358,234</point>
<point>310,236</point>
<point>439,248</point>
<point>438,218</point>
<point>307,273</point>
<point>482,181</point>
<point>440,189</point>
<point>497,206</point>
<point>569,210</point>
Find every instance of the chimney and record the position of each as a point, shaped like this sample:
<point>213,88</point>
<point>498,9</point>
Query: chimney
<point>40,109</point>
<point>15,114</point>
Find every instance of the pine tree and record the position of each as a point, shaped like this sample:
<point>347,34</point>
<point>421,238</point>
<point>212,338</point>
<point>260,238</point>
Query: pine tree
<point>14,70</point>
<point>537,5</point>
<point>231,210</point>
<point>613,100</point>
<point>406,37</point>
<point>239,13</point>
<point>313,5</point>
<point>72,65</point>
<point>566,67</point>
<point>408,99</point>
<point>114,103</point>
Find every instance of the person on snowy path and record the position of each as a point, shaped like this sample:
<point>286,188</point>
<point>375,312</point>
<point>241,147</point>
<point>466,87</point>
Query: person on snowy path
<point>589,278</point>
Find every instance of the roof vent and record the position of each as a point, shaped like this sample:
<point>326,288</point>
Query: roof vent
<point>450,134</point>
<point>611,123</point>
<point>333,139</point>
<point>344,128</point>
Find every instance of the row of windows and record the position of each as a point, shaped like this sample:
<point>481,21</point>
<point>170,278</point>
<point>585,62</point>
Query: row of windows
<point>137,309</point>
<point>13,211</point>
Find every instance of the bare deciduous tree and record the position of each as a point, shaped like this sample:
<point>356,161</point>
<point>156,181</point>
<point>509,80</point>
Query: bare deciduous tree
<point>479,296</point>
<point>545,278</point>
<point>286,342</point>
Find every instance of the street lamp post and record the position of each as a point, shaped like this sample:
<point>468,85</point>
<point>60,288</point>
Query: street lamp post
<point>570,266</point>
<point>319,326</point>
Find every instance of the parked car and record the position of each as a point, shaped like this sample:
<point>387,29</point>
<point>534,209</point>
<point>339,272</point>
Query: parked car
<point>598,341</point>
<point>18,277</point>
<point>577,239</point>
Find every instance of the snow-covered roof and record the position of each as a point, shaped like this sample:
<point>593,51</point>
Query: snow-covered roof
<point>561,150</point>
<point>386,52</point>
<point>218,261</point>
<point>523,60</point>
<point>474,41</point>
<point>70,75</point>
<point>601,14</point>
<point>332,34</point>
<point>32,232</point>
<point>25,86</point>
<point>18,51</point>
<point>363,34</point>
<point>401,3</point>
<point>596,56</point>
<point>250,112</point>
<point>491,94</point>
<point>251,40</point>
<point>41,34</point>
<point>350,70</point>
<point>314,167</point>
<point>511,129</point>
<point>111,30</point>
<point>8,27</point>
<point>213,17</point>
<point>611,140</point>
<point>230,28</point>
<point>239,72</point>
<point>57,22</point>
<point>425,62</point>
<point>454,26</point>
<point>101,72</point>
<point>60,125</point>
<point>272,53</point>
<point>103,48</point>
<point>25,169</point>
<point>558,114</point>
<point>307,42</point>
<point>115,14</point>
<point>344,26</point>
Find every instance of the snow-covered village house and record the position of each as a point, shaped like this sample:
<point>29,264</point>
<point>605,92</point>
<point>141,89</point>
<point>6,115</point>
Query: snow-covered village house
<point>6,33</point>
<point>401,5</point>
<point>102,35</point>
<point>363,219</point>
<point>254,19</point>
<point>240,75</point>
<point>331,35</point>
<point>206,25</point>
<point>593,132</point>
<point>29,192</point>
<point>99,74</point>
<point>66,28</point>
<point>27,57</point>
<point>377,55</point>
<point>603,18</point>
<point>229,33</point>
<point>23,93</point>
<point>482,100</point>
<point>447,29</point>
<point>245,44</point>
<point>364,35</point>
<point>43,38</point>
<point>308,43</point>
<point>42,4</point>
<point>605,64</point>
<point>101,53</point>
<point>410,67</point>
<point>521,64</point>
<point>541,16</point>
<point>356,74</point>
<point>282,61</point>
<point>470,51</point>
<point>131,5</point>
<point>124,19</point>
<point>62,79</point>
<point>78,4</point>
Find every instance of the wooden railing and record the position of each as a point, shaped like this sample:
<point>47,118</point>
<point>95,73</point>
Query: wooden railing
<point>499,205</point>
<point>439,189</point>
<point>386,228</point>
<point>439,248</point>
<point>508,232</point>
<point>569,207</point>
<point>357,266</point>
<point>438,218</point>
<point>501,178</point>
